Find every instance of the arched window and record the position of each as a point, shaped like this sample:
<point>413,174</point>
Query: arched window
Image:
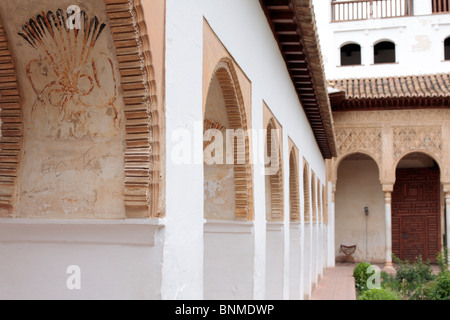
<point>447,49</point>
<point>384,52</point>
<point>350,54</point>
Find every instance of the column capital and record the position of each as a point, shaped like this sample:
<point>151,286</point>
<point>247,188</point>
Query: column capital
<point>388,187</point>
<point>446,187</point>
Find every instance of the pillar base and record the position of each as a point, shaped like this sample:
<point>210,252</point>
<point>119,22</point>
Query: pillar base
<point>389,267</point>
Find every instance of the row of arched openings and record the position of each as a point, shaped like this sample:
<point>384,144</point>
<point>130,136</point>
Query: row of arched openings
<point>227,187</point>
<point>383,52</point>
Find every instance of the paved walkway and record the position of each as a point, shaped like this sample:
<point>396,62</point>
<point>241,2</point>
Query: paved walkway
<point>337,284</point>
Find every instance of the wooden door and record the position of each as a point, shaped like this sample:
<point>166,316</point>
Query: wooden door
<point>415,214</point>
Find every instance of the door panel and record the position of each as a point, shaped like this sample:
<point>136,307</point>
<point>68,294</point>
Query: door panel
<point>415,214</point>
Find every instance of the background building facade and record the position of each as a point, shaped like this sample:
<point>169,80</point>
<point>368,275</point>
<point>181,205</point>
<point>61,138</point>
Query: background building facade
<point>387,68</point>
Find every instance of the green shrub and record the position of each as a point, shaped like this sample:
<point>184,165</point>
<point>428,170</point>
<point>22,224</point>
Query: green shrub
<point>378,294</point>
<point>389,281</point>
<point>424,292</point>
<point>416,275</point>
<point>361,276</point>
<point>442,260</point>
<point>441,288</point>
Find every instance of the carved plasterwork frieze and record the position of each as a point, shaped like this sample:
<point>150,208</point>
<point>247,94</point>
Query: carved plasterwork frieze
<point>428,139</point>
<point>367,140</point>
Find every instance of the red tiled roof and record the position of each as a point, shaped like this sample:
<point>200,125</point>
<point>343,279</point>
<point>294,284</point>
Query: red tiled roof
<point>403,91</point>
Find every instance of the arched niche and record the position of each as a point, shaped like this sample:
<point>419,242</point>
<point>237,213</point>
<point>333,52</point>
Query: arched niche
<point>114,140</point>
<point>306,192</point>
<point>224,109</point>
<point>274,173</point>
<point>294,186</point>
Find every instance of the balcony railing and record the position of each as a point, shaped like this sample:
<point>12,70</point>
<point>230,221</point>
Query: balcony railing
<point>440,6</point>
<point>370,9</point>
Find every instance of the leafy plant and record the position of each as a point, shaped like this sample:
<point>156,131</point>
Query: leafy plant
<point>378,294</point>
<point>361,276</point>
<point>415,275</point>
<point>442,260</point>
<point>389,281</point>
<point>441,287</point>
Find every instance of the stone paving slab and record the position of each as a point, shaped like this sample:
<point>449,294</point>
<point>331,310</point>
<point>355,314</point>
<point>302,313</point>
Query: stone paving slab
<point>337,284</point>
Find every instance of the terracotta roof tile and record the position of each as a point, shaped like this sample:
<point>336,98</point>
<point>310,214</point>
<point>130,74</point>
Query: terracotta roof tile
<point>419,90</point>
<point>435,85</point>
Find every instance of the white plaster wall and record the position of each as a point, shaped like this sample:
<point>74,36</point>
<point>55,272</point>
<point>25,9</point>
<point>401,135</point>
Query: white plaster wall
<point>331,257</point>
<point>117,260</point>
<point>307,261</point>
<point>419,42</point>
<point>358,187</point>
<point>229,259</point>
<point>183,248</point>
<point>243,29</point>
<point>275,261</point>
<point>295,271</point>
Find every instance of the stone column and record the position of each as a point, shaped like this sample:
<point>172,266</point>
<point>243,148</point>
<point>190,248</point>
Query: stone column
<point>331,225</point>
<point>387,189</point>
<point>447,213</point>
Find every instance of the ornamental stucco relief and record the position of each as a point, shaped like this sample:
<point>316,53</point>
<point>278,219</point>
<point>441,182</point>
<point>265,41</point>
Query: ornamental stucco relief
<point>367,140</point>
<point>427,139</point>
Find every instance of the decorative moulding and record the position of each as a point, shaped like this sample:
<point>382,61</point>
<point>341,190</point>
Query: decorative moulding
<point>221,226</point>
<point>109,232</point>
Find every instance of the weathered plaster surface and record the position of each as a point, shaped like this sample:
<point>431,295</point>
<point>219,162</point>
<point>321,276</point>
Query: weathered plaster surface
<point>73,149</point>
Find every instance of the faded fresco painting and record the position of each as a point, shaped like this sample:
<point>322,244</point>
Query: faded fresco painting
<point>73,157</point>
<point>66,76</point>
